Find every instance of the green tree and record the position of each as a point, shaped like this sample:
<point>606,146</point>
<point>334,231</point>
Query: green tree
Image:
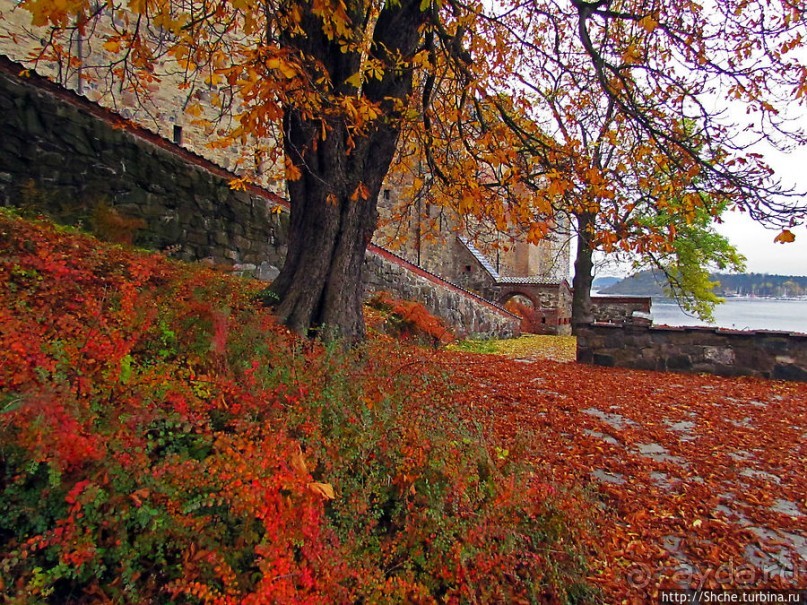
<point>696,252</point>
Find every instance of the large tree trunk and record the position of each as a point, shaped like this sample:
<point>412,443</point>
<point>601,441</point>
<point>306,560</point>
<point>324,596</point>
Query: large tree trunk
<point>582,312</point>
<point>333,204</point>
<point>320,285</point>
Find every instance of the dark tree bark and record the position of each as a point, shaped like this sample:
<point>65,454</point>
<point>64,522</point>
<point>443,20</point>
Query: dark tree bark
<point>582,313</point>
<point>320,285</point>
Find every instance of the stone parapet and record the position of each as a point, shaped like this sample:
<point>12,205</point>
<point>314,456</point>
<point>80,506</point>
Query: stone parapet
<point>619,309</point>
<point>63,154</point>
<point>765,354</point>
<point>469,315</point>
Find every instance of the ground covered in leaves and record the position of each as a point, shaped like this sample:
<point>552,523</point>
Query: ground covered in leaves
<point>527,347</point>
<point>700,481</point>
<point>162,439</point>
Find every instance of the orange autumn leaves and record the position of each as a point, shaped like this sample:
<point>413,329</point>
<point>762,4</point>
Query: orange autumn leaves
<point>158,426</point>
<point>699,479</point>
<point>160,420</point>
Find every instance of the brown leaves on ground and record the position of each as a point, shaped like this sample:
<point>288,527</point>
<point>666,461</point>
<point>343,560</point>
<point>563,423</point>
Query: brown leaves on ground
<point>700,480</point>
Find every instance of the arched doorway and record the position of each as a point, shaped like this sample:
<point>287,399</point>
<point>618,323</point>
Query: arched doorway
<point>533,320</point>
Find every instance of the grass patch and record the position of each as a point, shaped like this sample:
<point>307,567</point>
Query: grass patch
<point>529,346</point>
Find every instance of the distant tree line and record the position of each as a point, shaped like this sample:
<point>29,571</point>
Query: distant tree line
<point>652,283</point>
<point>760,284</point>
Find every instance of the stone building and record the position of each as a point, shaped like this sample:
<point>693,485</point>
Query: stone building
<point>500,266</point>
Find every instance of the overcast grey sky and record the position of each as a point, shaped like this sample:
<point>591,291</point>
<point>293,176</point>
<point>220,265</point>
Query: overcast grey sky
<point>756,242</point>
<point>753,240</point>
<point>757,245</point>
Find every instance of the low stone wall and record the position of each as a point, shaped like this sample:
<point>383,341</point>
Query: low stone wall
<point>468,314</point>
<point>619,309</point>
<point>779,355</point>
<point>62,154</point>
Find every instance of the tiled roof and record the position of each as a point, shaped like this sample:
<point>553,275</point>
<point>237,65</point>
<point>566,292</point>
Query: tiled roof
<point>535,280</point>
<point>483,260</point>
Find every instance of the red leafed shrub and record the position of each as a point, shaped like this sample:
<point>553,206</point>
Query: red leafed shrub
<point>164,440</point>
<point>409,320</point>
<point>530,317</point>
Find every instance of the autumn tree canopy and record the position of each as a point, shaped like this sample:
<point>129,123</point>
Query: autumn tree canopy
<point>603,110</point>
<point>641,126</point>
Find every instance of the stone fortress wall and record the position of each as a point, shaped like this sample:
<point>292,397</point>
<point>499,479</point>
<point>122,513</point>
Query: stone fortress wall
<point>62,153</point>
<point>160,108</point>
<point>425,237</point>
<point>763,354</point>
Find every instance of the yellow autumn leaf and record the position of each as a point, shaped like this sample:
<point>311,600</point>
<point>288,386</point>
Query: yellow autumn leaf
<point>138,6</point>
<point>194,109</point>
<point>297,460</point>
<point>323,489</point>
<point>214,79</point>
<point>112,45</point>
<point>354,80</point>
<point>238,184</point>
<point>282,66</point>
<point>287,69</point>
<point>648,23</point>
<point>785,237</point>
<point>293,173</point>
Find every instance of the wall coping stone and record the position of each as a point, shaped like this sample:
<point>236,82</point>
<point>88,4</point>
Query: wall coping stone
<point>704,330</point>
<point>619,298</point>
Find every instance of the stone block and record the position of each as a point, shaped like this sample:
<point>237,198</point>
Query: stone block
<point>267,272</point>
<point>719,355</point>
<point>789,371</point>
<point>601,359</point>
<point>679,362</point>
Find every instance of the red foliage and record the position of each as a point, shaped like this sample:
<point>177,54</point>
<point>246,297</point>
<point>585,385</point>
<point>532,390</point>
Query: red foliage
<point>531,318</point>
<point>409,320</point>
<point>113,382</point>
<point>701,479</point>
<point>164,440</point>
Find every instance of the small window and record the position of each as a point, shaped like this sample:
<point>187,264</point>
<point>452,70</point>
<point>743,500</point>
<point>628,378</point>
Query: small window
<point>386,194</point>
<point>467,268</point>
<point>177,134</point>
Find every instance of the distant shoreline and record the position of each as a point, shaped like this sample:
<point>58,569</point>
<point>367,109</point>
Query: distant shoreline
<point>666,299</point>
<point>740,313</point>
<point>728,285</point>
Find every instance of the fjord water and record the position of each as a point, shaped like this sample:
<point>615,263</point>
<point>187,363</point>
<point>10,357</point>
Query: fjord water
<point>740,314</point>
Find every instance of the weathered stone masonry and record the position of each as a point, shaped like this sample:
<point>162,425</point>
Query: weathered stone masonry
<point>71,154</point>
<point>64,152</point>
<point>468,313</point>
<point>764,354</point>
